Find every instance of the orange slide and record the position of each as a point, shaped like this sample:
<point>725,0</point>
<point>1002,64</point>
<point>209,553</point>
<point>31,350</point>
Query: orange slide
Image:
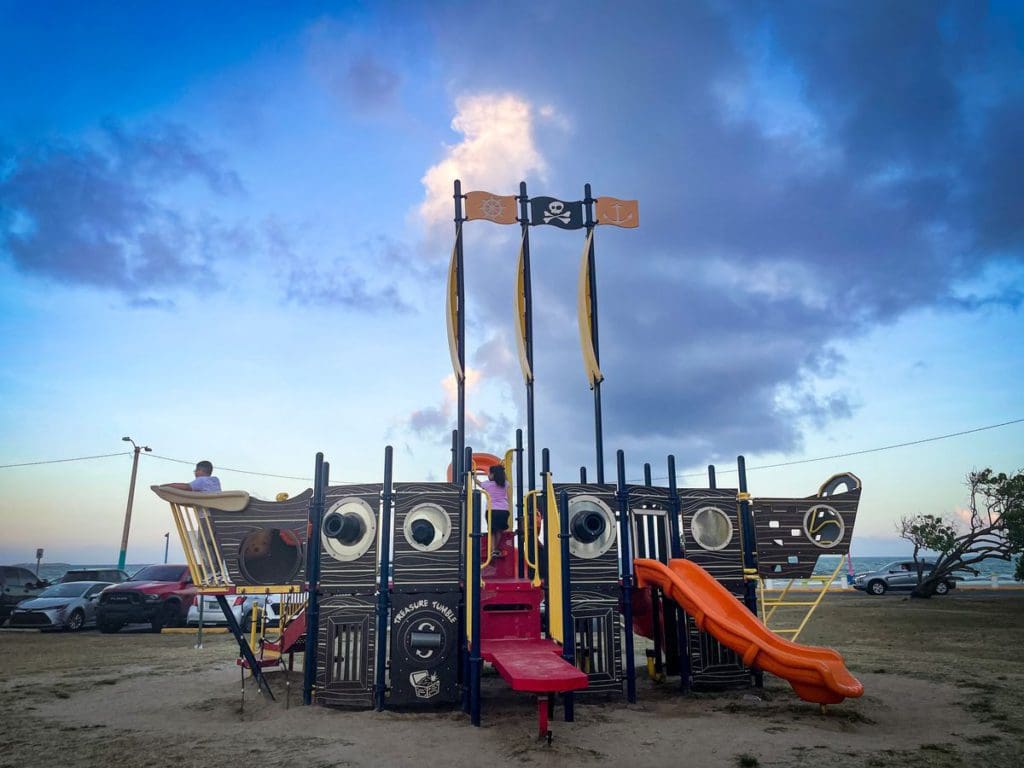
<point>816,674</point>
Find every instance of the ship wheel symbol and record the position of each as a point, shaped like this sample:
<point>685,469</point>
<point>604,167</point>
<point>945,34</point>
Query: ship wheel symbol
<point>492,208</point>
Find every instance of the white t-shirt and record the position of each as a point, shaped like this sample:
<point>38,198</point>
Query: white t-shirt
<point>206,484</point>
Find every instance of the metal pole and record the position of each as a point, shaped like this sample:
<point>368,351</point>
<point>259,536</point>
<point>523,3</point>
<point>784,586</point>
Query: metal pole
<point>383,591</point>
<point>588,206</point>
<point>549,536</point>
<point>568,626</point>
<point>520,512</point>
<point>476,662</point>
<point>749,552</point>
<point>531,444</point>
<point>676,549</point>
<point>626,566</point>
<point>460,335</point>
<point>314,521</point>
<point>128,511</point>
<point>167,545</point>
<point>749,542</point>
<point>712,484</point>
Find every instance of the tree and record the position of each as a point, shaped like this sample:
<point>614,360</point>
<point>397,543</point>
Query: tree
<point>995,531</point>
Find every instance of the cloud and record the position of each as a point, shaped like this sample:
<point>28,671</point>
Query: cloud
<point>498,148</point>
<point>97,214</point>
<point>374,276</point>
<point>347,67</point>
<point>884,176</point>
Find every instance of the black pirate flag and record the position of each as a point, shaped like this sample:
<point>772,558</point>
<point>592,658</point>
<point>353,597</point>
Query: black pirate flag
<point>548,210</point>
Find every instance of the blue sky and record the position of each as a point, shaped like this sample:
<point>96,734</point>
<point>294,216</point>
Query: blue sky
<point>224,231</point>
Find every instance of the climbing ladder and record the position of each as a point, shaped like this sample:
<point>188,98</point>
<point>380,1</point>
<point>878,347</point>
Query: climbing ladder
<point>797,607</point>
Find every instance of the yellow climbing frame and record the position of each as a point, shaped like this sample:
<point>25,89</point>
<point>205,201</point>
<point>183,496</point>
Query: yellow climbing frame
<point>804,604</point>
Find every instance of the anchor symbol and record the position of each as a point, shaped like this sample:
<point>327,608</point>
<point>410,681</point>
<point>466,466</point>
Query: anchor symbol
<point>618,220</point>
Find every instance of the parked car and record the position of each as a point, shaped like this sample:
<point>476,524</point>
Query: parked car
<point>242,607</point>
<point>899,575</point>
<point>157,594</point>
<point>17,584</point>
<point>68,606</point>
<point>109,575</point>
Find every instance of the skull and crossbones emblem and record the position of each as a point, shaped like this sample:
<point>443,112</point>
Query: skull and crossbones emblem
<point>556,210</point>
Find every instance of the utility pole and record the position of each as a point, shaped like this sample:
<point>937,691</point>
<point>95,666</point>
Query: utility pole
<point>131,498</point>
<point>167,543</point>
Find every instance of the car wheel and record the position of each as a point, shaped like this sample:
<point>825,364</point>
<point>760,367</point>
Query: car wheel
<point>75,621</point>
<point>877,587</point>
<point>169,616</point>
<point>941,588</point>
<point>109,627</point>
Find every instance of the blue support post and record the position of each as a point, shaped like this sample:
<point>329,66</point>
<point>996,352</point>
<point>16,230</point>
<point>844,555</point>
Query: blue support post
<point>476,662</point>
<point>520,515</point>
<point>467,603</point>
<point>676,548</point>
<point>626,567</point>
<point>383,587</point>
<point>542,555</point>
<point>568,626</point>
<point>321,474</point>
<point>749,551</point>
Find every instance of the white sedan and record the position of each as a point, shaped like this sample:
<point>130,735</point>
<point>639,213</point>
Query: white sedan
<point>242,607</point>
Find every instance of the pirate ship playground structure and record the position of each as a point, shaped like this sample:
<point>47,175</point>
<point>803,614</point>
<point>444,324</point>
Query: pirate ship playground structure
<point>406,590</point>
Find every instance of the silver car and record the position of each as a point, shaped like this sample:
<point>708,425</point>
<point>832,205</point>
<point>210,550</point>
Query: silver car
<point>899,575</point>
<point>68,606</point>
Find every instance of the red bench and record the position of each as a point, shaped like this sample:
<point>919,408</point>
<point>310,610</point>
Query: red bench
<point>534,666</point>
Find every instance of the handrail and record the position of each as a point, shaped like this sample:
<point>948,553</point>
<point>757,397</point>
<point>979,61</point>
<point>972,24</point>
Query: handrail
<point>490,507</point>
<point>530,499</point>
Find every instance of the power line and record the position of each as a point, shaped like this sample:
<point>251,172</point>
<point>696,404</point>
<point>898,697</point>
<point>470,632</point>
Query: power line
<point>662,477</point>
<point>61,461</point>
<point>855,453</point>
<point>229,469</point>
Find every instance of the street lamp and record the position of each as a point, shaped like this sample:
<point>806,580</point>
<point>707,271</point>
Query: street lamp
<point>131,498</point>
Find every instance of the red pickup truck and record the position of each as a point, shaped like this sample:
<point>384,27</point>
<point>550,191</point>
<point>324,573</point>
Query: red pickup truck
<point>159,595</point>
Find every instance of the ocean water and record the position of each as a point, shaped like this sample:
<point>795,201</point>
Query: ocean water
<point>1000,570</point>
<point>53,571</point>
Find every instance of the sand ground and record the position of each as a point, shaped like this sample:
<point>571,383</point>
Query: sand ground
<point>943,679</point>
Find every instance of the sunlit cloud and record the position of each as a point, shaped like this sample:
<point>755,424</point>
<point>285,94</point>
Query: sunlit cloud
<point>498,149</point>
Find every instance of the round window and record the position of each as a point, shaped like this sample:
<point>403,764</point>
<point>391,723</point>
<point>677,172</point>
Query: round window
<point>427,527</point>
<point>348,529</point>
<point>824,526</point>
<point>591,527</point>
<point>270,556</point>
<point>711,528</point>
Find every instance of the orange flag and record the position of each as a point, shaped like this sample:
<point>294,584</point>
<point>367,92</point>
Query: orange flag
<point>501,209</point>
<point>618,213</point>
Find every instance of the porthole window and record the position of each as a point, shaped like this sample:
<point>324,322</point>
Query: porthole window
<point>270,556</point>
<point>591,527</point>
<point>823,526</point>
<point>711,528</point>
<point>427,527</point>
<point>348,529</point>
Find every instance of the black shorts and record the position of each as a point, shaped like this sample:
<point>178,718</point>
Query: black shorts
<point>499,520</point>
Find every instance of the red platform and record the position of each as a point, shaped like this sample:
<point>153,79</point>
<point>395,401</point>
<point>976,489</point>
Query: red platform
<point>533,666</point>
